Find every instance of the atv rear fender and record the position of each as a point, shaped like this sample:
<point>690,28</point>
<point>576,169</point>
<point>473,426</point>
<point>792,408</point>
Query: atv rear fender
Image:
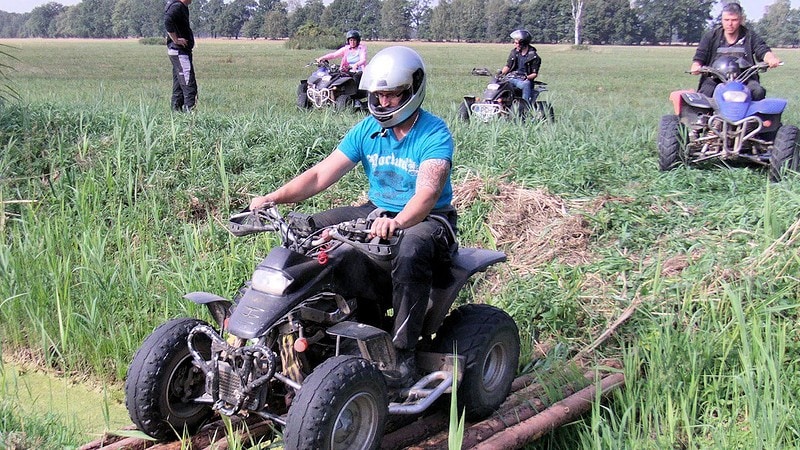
<point>447,284</point>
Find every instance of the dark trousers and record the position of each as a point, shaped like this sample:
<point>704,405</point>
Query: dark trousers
<point>757,92</point>
<point>184,84</point>
<point>423,246</point>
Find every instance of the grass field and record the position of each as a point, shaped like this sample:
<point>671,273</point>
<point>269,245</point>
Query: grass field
<point>111,209</point>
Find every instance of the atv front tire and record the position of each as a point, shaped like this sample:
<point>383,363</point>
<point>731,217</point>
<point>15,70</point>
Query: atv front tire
<point>163,382</point>
<point>302,97</point>
<point>784,155</point>
<point>463,112</point>
<point>489,340</point>
<point>669,143</point>
<point>342,405</point>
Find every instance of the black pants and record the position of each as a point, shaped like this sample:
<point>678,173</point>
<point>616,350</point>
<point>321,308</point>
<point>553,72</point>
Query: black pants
<point>184,84</point>
<point>425,245</point>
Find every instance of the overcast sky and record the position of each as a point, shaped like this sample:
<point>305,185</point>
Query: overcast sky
<point>753,8</point>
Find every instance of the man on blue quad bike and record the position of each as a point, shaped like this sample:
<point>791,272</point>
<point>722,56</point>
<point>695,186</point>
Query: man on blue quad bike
<point>733,38</point>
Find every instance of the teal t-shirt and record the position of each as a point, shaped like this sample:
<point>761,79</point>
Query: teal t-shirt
<point>391,165</point>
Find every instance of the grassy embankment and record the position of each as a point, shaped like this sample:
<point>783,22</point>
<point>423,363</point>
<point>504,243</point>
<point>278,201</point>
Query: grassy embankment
<point>111,209</point>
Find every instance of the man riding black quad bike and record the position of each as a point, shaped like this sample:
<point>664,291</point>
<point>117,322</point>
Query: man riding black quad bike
<point>728,126</point>
<point>502,99</point>
<point>328,85</point>
<point>306,344</point>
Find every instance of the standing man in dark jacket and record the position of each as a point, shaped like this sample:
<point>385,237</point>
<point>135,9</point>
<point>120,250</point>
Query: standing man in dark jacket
<point>733,38</point>
<point>180,42</point>
<point>523,61</point>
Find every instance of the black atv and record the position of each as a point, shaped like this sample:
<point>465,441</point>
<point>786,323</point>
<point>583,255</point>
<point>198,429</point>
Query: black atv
<point>501,99</point>
<point>329,85</point>
<point>307,343</point>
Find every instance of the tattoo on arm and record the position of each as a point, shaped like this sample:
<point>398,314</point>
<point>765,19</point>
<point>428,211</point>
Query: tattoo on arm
<point>433,174</point>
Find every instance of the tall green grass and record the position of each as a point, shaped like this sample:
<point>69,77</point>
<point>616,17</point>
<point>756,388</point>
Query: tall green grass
<point>112,209</point>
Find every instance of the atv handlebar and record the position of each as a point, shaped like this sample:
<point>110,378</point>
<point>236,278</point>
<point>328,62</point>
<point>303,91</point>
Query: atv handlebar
<point>251,222</point>
<point>743,76</point>
<point>355,233</point>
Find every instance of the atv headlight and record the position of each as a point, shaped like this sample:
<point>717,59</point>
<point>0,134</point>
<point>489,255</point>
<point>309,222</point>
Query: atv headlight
<point>734,96</point>
<point>271,281</point>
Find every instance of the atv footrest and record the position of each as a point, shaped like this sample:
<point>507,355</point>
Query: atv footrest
<point>423,393</point>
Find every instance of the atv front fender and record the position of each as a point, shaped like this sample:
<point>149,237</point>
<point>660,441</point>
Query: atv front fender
<point>219,307</point>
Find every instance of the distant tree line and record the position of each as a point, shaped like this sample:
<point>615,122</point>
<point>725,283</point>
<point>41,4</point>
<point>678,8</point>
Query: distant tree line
<point>550,21</point>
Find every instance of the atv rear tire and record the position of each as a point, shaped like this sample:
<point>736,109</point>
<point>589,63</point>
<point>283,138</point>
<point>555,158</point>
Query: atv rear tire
<point>489,340</point>
<point>544,112</point>
<point>784,155</point>
<point>342,405</point>
<point>669,142</point>
<point>162,382</point>
<point>520,110</point>
<point>463,112</point>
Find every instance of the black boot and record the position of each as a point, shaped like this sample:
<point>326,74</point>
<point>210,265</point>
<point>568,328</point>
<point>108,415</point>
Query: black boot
<point>405,373</point>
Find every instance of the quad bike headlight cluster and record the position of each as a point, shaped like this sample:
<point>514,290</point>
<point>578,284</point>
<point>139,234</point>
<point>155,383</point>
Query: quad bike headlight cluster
<point>735,96</point>
<point>271,281</point>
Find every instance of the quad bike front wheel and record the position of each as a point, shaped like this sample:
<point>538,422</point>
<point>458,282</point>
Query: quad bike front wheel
<point>163,382</point>
<point>669,143</point>
<point>489,340</point>
<point>784,155</point>
<point>463,112</point>
<point>342,405</point>
<point>302,97</point>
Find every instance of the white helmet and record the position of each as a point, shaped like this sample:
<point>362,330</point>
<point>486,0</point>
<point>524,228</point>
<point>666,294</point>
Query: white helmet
<point>392,69</point>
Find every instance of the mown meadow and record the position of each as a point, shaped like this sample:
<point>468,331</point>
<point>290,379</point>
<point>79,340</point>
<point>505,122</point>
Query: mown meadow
<point>112,207</point>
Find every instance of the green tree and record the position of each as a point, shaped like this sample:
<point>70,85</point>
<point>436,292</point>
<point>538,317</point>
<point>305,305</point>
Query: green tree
<point>668,21</point>
<point>137,18</point>
<point>420,16</point>
<point>499,13</point>
<point>12,24</point>
<point>396,19</point>
<point>275,23</point>
<point>307,14</point>
<point>442,24</point>
<point>611,22</point>
<point>780,25</point>
<point>471,25</point>
<point>370,23</point>
<point>209,19</point>
<point>342,15</point>
<point>41,20</point>
<point>549,21</point>
<point>234,16</point>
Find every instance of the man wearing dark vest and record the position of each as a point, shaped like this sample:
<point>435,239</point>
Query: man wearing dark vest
<point>180,42</point>
<point>732,38</point>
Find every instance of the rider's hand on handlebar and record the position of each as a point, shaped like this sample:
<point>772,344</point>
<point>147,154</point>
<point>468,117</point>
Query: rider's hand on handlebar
<point>384,227</point>
<point>695,69</point>
<point>260,202</point>
<point>772,60</point>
